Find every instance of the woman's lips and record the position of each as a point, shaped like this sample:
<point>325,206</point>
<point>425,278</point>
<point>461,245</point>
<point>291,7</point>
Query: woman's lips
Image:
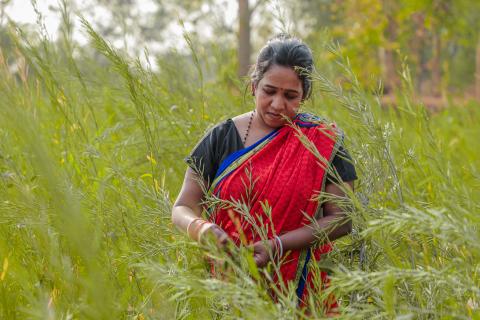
<point>274,115</point>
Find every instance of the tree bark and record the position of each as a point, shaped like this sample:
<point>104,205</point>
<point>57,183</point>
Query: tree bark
<point>417,45</point>
<point>2,12</point>
<point>477,71</point>
<point>436,65</point>
<point>390,74</point>
<point>244,48</point>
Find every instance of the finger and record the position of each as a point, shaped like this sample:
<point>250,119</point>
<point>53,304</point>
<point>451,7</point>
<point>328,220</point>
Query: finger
<point>223,239</point>
<point>260,263</point>
<point>219,233</point>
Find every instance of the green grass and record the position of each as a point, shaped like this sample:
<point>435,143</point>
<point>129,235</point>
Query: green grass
<point>91,150</point>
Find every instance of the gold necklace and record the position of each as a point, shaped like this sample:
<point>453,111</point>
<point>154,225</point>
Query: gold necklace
<point>248,128</point>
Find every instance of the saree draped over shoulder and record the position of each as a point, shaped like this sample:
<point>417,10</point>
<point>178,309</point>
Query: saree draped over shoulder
<point>272,187</point>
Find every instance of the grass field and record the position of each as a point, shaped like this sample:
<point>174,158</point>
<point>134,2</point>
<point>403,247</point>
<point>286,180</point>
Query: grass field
<point>91,158</point>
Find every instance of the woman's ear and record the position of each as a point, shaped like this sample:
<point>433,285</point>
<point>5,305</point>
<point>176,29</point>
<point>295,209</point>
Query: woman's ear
<point>253,89</point>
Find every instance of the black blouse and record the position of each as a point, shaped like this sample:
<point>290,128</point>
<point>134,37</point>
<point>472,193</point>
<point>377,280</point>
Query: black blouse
<point>224,139</point>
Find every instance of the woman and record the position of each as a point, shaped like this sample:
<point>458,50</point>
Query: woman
<point>274,160</point>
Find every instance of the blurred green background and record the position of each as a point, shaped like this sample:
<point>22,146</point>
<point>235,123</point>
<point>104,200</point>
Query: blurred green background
<point>100,101</point>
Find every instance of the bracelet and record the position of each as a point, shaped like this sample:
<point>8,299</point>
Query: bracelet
<point>197,229</point>
<point>190,224</point>
<point>277,239</point>
<point>201,233</point>
<point>274,247</point>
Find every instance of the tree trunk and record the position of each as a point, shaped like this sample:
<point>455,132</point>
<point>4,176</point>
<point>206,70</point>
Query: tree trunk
<point>417,45</point>
<point>390,74</point>
<point>2,12</point>
<point>477,71</point>
<point>436,65</point>
<point>244,48</point>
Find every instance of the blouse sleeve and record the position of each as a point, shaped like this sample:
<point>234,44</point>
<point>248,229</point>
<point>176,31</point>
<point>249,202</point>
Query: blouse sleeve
<point>343,163</point>
<point>203,158</point>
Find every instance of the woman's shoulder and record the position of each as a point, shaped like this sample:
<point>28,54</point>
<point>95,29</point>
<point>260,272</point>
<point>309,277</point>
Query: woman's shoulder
<point>222,125</point>
<point>312,119</point>
<point>305,119</point>
<point>309,117</point>
<point>219,129</point>
<point>238,121</point>
<point>242,120</point>
<point>221,135</point>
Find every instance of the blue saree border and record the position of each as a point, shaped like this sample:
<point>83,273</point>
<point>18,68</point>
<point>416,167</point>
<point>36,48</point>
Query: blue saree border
<point>305,120</point>
<point>303,278</point>
<point>237,154</point>
<point>302,120</point>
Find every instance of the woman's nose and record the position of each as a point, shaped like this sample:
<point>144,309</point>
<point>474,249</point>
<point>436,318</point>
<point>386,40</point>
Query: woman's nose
<point>277,102</point>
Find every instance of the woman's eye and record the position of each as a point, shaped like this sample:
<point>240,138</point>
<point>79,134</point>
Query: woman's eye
<point>269,92</point>
<point>291,96</point>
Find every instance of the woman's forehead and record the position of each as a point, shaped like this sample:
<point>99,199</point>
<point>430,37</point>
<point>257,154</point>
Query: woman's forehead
<point>282,77</point>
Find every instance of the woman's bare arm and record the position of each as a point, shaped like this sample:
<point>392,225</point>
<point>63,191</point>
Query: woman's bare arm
<point>334,223</point>
<point>187,206</point>
<point>332,215</point>
<point>187,210</point>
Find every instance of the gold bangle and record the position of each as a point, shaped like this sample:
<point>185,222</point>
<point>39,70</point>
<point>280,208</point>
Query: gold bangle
<point>190,224</point>
<point>196,230</point>
<point>209,225</point>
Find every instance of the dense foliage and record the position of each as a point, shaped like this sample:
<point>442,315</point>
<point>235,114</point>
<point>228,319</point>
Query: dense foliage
<point>91,148</point>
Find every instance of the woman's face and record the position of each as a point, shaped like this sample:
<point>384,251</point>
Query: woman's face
<point>278,94</point>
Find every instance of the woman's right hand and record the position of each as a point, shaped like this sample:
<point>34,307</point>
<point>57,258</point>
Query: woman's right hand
<point>187,211</point>
<point>215,230</point>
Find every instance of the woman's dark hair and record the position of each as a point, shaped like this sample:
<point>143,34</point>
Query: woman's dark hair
<point>287,51</point>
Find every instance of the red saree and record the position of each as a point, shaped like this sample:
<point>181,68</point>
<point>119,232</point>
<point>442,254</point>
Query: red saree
<point>277,180</point>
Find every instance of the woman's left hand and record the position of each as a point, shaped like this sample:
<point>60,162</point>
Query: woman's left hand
<point>261,253</point>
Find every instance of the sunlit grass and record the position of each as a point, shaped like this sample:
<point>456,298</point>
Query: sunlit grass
<point>91,156</point>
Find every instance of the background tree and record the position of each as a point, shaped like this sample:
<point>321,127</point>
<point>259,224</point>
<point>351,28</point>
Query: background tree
<point>245,13</point>
<point>244,45</point>
<point>436,38</point>
<point>136,23</point>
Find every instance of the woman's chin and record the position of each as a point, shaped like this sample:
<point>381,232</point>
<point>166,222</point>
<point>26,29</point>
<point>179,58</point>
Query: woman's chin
<point>276,124</point>
<point>275,121</point>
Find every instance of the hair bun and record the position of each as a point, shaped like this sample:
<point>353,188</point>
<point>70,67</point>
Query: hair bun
<point>286,50</point>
